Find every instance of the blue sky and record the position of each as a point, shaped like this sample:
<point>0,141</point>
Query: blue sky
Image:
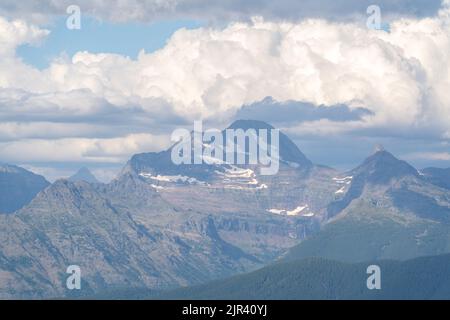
<point>99,36</point>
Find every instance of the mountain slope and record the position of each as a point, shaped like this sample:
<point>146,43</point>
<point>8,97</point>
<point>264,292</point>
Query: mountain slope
<point>388,212</point>
<point>315,278</point>
<point>379,169</point>
<point>76,224</point>
<point>289,152</point>
<point>17,187</point>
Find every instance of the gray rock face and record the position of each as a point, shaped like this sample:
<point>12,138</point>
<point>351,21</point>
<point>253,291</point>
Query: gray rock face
<point>17,187</point>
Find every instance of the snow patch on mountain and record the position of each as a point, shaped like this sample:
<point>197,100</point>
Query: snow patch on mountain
<point>157,187</point>
<point>344,180</point>
<point>343,184</point>
<point>240,179</point>
<point>300,210</point>
<point>171,179</point>
<point>341,190</point>
<point>236,173</point>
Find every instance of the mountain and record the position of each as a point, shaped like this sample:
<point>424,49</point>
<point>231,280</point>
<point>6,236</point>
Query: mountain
<point>289,152</point>
<point>317,278</point>
<point>382,167</point>
<point>17,187</point>
<point>84,174</point>
<point>161,226</point>
<point>115,243</point>
<point>262,214</point>
<point>162,164</point>
<point>379,169</point>
<point>386,210</point>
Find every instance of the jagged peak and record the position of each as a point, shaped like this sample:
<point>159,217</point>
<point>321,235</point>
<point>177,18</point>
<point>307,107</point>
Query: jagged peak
<point>382,155</point>
<point>65,188</point>
<point>246,124</point>
<point>288,153</point>
<point>382,166</point>
<point>378,148</point>
<point>84,174</point>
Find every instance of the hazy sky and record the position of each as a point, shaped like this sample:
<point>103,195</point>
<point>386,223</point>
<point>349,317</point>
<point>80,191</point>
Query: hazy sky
<point>136,70</point>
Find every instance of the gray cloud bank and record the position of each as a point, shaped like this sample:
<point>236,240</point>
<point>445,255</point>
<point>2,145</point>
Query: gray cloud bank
<point>294,112</point>
<point>216,10</point>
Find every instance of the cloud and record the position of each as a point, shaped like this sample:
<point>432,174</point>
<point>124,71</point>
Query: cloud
<point>17,32</point>
<point>295,112</point>
<point>215,10</point>
<point>99,107</point>
<point>209,72</point>
<point>112,150</point>
<point>440,156</point>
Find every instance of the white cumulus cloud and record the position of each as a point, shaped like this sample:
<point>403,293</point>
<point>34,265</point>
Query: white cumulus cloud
<point>402,76</point>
